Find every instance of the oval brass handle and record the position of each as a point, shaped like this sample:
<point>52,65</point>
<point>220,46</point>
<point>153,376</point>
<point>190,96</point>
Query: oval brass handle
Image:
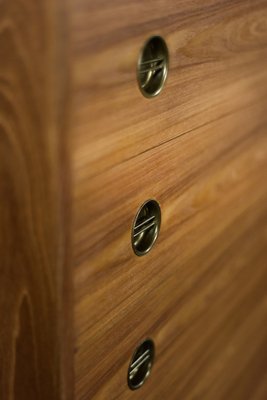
<point>141,364</point>
<point>146,227</point>
<point>153,66</point>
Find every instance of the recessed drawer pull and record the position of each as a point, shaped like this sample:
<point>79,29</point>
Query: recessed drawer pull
<point>146,227</point>
<point>141,364</point>
<point>153,65</point>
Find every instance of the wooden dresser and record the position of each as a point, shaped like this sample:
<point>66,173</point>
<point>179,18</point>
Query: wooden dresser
<point>82,149</point>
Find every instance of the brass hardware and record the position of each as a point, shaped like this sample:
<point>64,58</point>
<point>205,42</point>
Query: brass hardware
<point>141,364</point>
<point>153,64</point>
<point>146,227</point>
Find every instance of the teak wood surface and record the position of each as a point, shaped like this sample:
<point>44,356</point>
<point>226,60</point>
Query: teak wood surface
<point>82,149</point>
<point>35,296</point>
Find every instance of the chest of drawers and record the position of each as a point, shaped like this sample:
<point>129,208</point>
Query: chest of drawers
<point>82,149</point>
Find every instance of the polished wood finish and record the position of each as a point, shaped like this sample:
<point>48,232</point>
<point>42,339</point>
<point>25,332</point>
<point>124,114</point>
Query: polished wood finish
<point>35,330</point>
<point>82,149</point>
<point>200,149</point>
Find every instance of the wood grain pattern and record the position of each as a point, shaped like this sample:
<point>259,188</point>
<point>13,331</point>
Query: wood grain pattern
<point>200,149</point>
<point>35,361</point>
<point>81,150</point>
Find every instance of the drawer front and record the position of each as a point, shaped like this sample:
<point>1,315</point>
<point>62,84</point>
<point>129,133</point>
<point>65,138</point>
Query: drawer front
<point>200,150</point>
